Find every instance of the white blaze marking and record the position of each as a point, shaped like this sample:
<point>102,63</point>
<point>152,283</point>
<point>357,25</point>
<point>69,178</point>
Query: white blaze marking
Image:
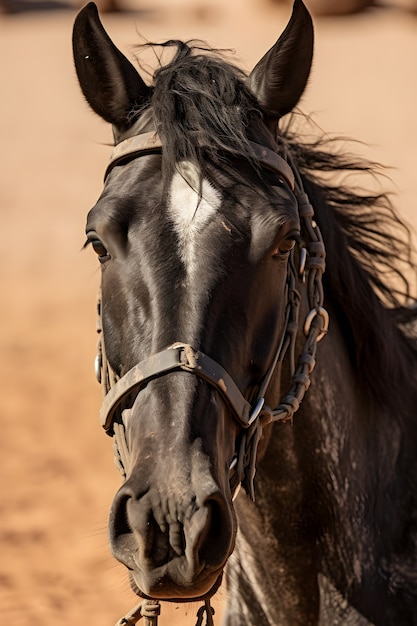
<point>190,211</point>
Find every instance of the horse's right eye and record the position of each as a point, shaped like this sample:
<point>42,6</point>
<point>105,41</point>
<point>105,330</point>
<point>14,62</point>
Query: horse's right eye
<point>98,247</point>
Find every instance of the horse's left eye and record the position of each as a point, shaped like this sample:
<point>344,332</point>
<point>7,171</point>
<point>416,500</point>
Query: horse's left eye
<point>284,247</point>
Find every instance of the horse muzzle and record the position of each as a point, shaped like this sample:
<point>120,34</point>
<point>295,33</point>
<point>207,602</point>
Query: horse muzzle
<point>174,547</point>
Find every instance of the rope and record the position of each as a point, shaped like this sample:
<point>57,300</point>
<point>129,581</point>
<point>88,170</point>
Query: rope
<point>149,610</point>
<point>209,611</point>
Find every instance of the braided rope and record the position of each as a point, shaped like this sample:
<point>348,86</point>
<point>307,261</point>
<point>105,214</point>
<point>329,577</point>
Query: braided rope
<point>312,265</point>
<point>149,610</point>
<point>317,320</point>
<point>208,610</point>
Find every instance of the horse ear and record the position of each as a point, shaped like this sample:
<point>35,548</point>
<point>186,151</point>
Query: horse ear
<point>280,77</point>
<point>110,83</point>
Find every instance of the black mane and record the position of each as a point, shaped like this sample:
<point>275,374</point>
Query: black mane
<point>201,104</point>
<point>370,271</point>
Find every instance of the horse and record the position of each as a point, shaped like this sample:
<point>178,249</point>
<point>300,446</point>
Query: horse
<point>219,366</point>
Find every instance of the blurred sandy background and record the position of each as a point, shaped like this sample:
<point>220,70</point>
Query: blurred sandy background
<point>57,477</point>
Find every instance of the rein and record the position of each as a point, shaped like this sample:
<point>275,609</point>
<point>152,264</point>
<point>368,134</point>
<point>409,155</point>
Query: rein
<point>182,357</point>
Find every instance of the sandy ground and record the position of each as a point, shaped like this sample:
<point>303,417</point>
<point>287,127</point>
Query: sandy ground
<point>57,476</point>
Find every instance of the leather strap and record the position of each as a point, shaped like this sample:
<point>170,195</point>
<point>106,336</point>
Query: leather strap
<point>273,161</point>
<point>150,143</point>
<point>138,145</point>
<point>183,357</point>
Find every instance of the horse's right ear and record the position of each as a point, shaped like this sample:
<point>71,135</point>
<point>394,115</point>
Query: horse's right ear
<point>112,86</point>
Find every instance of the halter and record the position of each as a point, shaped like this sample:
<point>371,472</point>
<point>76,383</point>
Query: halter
<point>252,418</point>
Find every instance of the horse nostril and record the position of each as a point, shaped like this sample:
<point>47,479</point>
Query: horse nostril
<point>216,538</point>
<point>122,541</point>
<point>135,535</point>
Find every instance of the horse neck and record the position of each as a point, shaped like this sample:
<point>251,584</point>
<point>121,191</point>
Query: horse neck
<point>312,471</point>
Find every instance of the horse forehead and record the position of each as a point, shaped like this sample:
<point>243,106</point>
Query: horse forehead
<point>192,201</point>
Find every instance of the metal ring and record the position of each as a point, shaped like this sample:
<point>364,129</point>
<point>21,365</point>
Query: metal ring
<point>309,320</point>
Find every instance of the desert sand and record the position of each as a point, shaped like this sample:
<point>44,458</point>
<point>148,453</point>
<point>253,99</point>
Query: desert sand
<point>57,477</point>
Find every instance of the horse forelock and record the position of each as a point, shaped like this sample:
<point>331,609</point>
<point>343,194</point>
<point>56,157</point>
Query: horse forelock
<point>201,106</point>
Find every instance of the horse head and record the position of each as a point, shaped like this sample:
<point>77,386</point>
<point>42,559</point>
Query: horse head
<point>193,232</point>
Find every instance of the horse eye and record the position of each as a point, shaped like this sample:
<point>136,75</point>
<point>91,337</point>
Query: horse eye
<point>100,250</point>
<point>284,247</point>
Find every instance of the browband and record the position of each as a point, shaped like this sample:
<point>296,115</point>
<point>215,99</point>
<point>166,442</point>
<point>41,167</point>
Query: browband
<point>150,143</point>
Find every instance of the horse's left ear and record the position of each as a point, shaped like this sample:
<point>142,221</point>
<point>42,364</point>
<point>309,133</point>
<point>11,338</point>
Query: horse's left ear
<point>280,77</point>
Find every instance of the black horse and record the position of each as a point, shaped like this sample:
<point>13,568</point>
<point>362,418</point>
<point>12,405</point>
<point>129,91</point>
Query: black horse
<point>212,305</point>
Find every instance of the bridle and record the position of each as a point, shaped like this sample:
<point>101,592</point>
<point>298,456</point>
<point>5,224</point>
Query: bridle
<point>251,417</point>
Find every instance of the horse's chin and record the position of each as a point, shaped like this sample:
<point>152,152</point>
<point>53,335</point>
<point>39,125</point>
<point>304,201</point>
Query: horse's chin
<point>169,583</point>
